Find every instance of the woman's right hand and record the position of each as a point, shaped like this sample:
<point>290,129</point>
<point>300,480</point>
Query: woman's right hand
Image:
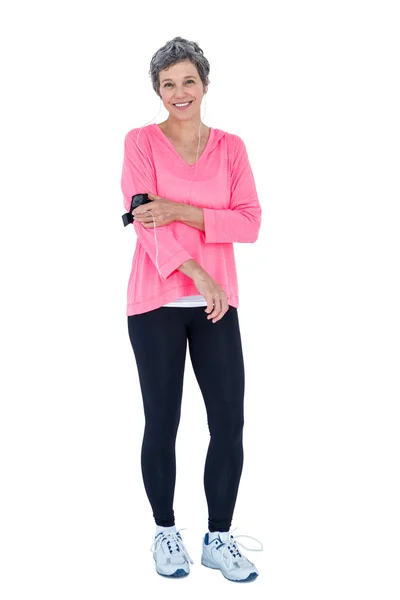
<point>217,301</point>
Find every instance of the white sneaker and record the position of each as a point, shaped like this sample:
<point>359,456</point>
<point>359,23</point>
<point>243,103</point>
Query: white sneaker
<point>170,554</point>
<point>221,552</point>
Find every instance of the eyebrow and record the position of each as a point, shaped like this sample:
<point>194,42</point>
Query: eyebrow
<point>186,76</point>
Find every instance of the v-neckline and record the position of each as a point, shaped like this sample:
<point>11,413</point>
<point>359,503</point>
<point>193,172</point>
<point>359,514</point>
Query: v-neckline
<point>168,141</point>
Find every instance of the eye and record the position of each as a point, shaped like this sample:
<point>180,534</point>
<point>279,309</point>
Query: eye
<point>189,80</point>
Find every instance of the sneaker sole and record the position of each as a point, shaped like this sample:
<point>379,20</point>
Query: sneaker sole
<point>250,577</point>
<point>178,573</point>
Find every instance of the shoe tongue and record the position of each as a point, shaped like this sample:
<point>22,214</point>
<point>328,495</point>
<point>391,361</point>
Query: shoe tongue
<point>173,540</point>
<point>223,536</point>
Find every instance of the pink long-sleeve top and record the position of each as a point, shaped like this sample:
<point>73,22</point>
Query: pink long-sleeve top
<point>223,186</point>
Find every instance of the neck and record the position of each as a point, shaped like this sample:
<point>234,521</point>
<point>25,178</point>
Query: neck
<point>184,131</point>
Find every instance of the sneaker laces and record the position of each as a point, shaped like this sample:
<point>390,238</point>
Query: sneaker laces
<point>171,544</point>
<point>231,552</point>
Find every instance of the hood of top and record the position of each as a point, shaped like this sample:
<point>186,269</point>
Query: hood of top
<point>217,135</point>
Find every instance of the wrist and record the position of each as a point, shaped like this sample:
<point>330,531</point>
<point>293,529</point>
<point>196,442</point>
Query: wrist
<point>191,215</point>
<point>181,211</point>
<point>192,269</point>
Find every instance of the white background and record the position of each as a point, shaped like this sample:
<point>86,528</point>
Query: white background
<point>313,90</point>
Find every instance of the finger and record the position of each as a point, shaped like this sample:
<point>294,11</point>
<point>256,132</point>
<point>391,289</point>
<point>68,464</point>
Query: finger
<point>217,308</point>
<point>224,310</point>
<point>144,216</point>
<point>209,304</point>
<point>224,307</point>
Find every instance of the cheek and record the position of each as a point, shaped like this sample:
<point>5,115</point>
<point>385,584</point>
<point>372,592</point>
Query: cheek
<point>199,90</point>
<point>167,99</point>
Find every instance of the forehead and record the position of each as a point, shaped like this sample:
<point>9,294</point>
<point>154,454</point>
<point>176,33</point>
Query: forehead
<point>179,71</point>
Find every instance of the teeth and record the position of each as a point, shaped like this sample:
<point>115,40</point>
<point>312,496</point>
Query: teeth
<point>185,104</point>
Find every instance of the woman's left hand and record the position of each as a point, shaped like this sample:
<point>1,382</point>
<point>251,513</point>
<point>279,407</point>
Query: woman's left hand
<point>164,212</point>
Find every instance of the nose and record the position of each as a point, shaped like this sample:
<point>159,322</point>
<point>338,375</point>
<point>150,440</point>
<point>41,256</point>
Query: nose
<point>179,92</point>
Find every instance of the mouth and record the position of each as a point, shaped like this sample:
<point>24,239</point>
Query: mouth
<point>184,105</point>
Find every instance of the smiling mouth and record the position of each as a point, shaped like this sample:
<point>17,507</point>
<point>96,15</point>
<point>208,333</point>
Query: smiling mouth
<point>185,104</point>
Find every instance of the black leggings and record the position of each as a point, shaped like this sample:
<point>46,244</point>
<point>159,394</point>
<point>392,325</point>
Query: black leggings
<point>159,339</point>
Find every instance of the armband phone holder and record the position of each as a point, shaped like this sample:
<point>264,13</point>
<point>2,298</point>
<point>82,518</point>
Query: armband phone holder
<point>137,200</point>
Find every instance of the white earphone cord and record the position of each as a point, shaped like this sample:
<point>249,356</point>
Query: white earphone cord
<point>149,211</point>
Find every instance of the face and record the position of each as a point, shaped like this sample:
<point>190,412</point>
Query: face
<point>181,83</point>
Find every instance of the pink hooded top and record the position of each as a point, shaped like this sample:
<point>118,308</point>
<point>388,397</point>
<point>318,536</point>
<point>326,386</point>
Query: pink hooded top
<point>223,187</point>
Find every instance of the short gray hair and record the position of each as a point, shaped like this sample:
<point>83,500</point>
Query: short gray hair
<point>176,51</point>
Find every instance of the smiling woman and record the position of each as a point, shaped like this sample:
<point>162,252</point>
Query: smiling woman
<point>182,269</point>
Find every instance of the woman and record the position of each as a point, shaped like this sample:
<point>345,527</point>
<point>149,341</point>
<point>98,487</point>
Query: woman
<point>183,267</point>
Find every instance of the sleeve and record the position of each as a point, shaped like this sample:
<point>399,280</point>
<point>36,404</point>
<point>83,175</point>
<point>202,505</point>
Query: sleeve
<point>242,220</point>
<point>138,177</point>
